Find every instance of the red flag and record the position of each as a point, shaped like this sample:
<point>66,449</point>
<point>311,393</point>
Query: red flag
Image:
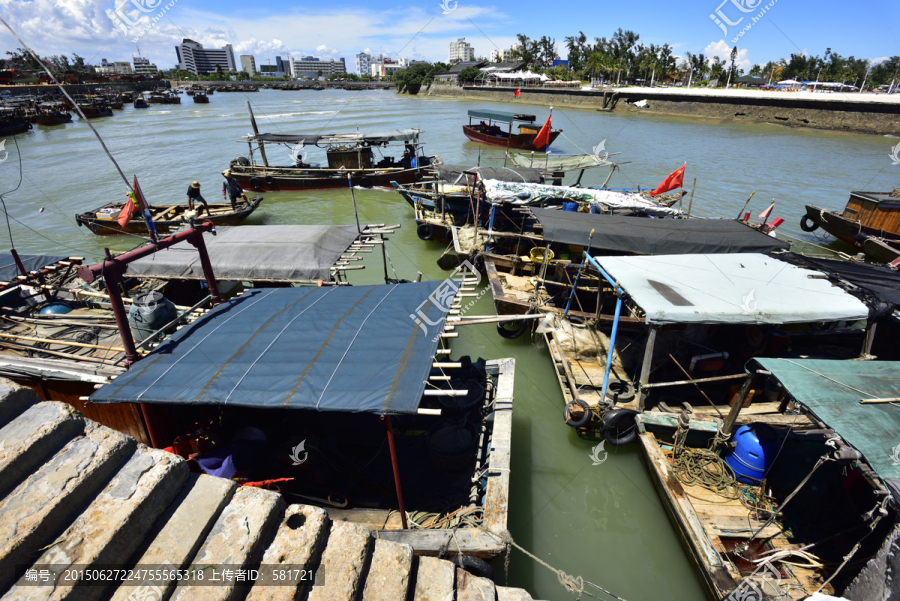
<point>517,92</point>
<point>543,138</point>
<point>125,215</point>
<point>765,214</point>
<point>674,180</point>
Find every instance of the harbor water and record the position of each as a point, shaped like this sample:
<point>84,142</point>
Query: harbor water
<point>584,509</point>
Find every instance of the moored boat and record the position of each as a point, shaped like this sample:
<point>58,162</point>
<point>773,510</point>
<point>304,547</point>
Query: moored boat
<point>875,214</point>
<point>200,97</point>
<point>103,221</point>
<point>140,102</point>
<point>50,113</point>
<point>489,133</point>
<point>93,108</point>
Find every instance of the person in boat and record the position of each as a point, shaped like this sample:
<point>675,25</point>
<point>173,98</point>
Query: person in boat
<point>193,195</point>
<point>233,189</point>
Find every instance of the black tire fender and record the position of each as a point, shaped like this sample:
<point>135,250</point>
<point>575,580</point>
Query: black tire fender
<point>419,177</point>
<point>511,334</point>
<point>611,431</point>
<point>425,231</point>
<point>365,182</point>
<point>619,391</point>
<point>254,183</point>
<point>808,225</point>
<point>585,419</point>
<point>474,566</point>
<point>269,180</point>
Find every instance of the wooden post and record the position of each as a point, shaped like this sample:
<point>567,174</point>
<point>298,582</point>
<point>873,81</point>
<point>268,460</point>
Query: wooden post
<point>691,203</point>
<point>645,368</point>
<point>262,150</point>
<point>390,435</point>
<point>738,403</point>
<point>870,338</point>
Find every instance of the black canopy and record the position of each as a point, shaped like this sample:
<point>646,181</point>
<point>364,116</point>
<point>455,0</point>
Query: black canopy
<point>454,173</point>
<point>347,348</point>
<point>647,236</point>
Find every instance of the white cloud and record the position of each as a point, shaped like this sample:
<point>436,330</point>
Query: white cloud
<point>723,51</point>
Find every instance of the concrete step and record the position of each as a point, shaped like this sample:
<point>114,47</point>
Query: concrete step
<point>505,593</point>
<point>111,527</point>
<point>340,572</point>
<point>48,501</point>
<point>388,577</point>
<point>14,399</point>
<point>30,438</point>
<point>294,548</point>
<point>435,579</point>
<point>178,533</point>
<point>474,588</point>
<point>235,542</point>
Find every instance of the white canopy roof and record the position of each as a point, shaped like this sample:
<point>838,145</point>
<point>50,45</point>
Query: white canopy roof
<point>734,288</point>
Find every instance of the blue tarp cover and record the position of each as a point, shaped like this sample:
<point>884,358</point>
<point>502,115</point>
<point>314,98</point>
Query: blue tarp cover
<point>8,270</point>
<point>831,390</point>
<point>347,348</point>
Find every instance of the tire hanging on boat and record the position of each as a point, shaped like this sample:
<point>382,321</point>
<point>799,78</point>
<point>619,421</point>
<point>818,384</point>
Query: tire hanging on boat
<point>365,182</point>
<point>808,225</point>
<point>620,391</point>
<point>419,177</point>
<point>511,334</point>
<point>611,431</point>
<point>587,414</point>
<point>254,183</point>
<point>269,180</point>
<point>425,231</point>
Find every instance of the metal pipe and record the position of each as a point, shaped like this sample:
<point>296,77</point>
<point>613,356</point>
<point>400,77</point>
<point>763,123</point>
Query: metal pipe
<point>578,275</point>
<point>198,243</point>
<point>390,435</point>
<point>696,358</point>
<point>487,246</point>
<point>612,347</point>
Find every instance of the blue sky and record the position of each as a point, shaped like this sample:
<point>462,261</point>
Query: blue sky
<point>422,30</point>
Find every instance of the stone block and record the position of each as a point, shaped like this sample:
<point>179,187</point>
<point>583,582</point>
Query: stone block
<point>343,562</point>
<point>388,577</point>
<point>473,588</point>
<point>435,579</point>
<point>14,400</point>
<point>505,593</point>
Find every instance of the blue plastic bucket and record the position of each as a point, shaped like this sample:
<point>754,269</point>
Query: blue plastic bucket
<point>570,206</point>
<point>755,449</point>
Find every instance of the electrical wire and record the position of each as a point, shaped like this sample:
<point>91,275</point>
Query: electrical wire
<point>3,201</point>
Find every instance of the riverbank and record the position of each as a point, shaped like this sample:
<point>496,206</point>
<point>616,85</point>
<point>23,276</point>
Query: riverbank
<point>857,113</point>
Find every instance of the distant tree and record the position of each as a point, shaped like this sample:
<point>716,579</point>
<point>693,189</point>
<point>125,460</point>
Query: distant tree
<point>732,73</point>
<point>469,74</point>
<point>243,75</point>
<point>319,73</point>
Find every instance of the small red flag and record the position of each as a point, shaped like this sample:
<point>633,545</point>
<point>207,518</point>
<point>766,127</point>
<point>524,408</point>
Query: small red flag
<point>674,180</point>
<point>125,215</point>
<point>517,92</point>
<point>765,214</point>
<point>543,138</point>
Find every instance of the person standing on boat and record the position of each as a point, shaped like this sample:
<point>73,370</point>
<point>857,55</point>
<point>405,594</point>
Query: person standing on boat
<point>193,194</point>
<point>233,189</point>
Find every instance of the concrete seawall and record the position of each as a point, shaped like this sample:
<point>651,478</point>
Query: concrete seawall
<point>825,112</point>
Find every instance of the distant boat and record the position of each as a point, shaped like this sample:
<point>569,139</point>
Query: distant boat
<point>200,98</point>
<point>104,220</point>
<point>50,113</point>
<point>140,102</point>
<point>95,107</point>
<point>489,133</point>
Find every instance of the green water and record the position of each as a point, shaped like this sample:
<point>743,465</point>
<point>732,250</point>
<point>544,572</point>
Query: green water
<point>604,522</point>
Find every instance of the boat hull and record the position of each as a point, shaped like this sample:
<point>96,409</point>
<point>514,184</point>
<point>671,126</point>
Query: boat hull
<point>517,141</point>
<point>111,227</point>
<point>878,251</point>
<point>843,229</point>
<point>320,179</point>
<point>201,100</point>
<point>16,128</point>
<point>52,119</point>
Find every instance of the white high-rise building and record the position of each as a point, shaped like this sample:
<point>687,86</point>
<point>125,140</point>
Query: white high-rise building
<point>116,68</point>
<point>143,66</point>
<point>309,66</point>
<point>364,62</point>
<point>461,51</point>
<point>248,64</point>
<point>193,57</point>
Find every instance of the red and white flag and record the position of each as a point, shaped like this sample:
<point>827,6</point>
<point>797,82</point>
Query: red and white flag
<point>765,214</point>
<point>674,180</point>
<point>543,138</point>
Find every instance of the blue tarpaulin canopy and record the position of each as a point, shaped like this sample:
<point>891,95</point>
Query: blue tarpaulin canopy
<point>347,348</point>
<point>832,390</point>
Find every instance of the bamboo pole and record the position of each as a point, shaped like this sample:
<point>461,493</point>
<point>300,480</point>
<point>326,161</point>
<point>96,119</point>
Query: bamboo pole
<point>56,353</point>
<point>63,343</point>
<point>691,203</point>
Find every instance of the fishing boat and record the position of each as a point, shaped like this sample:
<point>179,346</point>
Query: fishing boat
<point>164,97</point>
<point>50,113</point>
<point>103,221</point>
<point>489,133</point>
<point>115,102</point>
<point>13,121</point>
<point>140,102</point>
<point>93,108</point>
<point>351,161</point>
<point>191,92</point>
<point>200,98</point>
<point>875,214</point>
<point>878,250</point>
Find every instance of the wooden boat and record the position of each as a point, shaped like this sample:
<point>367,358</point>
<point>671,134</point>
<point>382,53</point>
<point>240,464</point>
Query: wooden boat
<point>875,214</point>
<point>885,252</point>
<point>103,221</point>
<point>488,133</point>
<point>140,102</point>
<point>95,108</point>
<point>50,113</point>
<point>191,92</point>
<point>115,103</point>
<point>351,161</point>
<point>201,98</point>
<point>164,98</point>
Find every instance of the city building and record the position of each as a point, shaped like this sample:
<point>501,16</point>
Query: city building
<point>364,61</point>
<point>309,66</point>
<point>453,73</point>
<point>271,71</point>
<point>383,70</point>
<point>504,56</point>
<point>248,64</point>
<point>461,51</point>
<point>283,66</point>
<point>193,57</point>
<point>115,68</point>
<point>143,66</point>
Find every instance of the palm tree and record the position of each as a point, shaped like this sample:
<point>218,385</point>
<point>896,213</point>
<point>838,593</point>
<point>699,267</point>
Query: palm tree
<point>597,61</point>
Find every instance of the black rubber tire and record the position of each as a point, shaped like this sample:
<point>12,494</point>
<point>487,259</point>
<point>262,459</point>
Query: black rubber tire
<point>269,180</point>
<point>611,431</point>
<point>807,224</point>
<point>365,182</point>
<point>478,263</point>
<point>619,391</point>
<point>425,231</point>
<point>585,419</point>
<point>474,566</point>
<point>512,334</point>
<point>575,319</point>
<point>419,177</point>
<point>254,183</point>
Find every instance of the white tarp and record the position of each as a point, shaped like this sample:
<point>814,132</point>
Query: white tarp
<point>735,288</point>
<point>527,194</point>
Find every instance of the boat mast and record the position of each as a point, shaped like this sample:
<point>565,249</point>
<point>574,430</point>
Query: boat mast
<point>262,150</point>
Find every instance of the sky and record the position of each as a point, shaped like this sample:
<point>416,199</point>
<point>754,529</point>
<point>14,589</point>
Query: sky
<point>98,29</point>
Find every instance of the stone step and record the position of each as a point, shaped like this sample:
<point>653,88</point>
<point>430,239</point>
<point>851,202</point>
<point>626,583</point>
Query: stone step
<point>14,399</point>
<point>30,438</point>
<point>111,527</point>
<point>474,588</point>
<point>49,500</point>
<point>340,572</point>
<point>295,547</point>
<point>435,579</point>
<point>505,593</point>
<point>178,533</point>
<point>234,543</point>
<point>388,577</point>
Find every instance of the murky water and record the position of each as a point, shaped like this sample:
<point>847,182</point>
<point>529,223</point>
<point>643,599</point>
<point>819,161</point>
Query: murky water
<point>604,522</point>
